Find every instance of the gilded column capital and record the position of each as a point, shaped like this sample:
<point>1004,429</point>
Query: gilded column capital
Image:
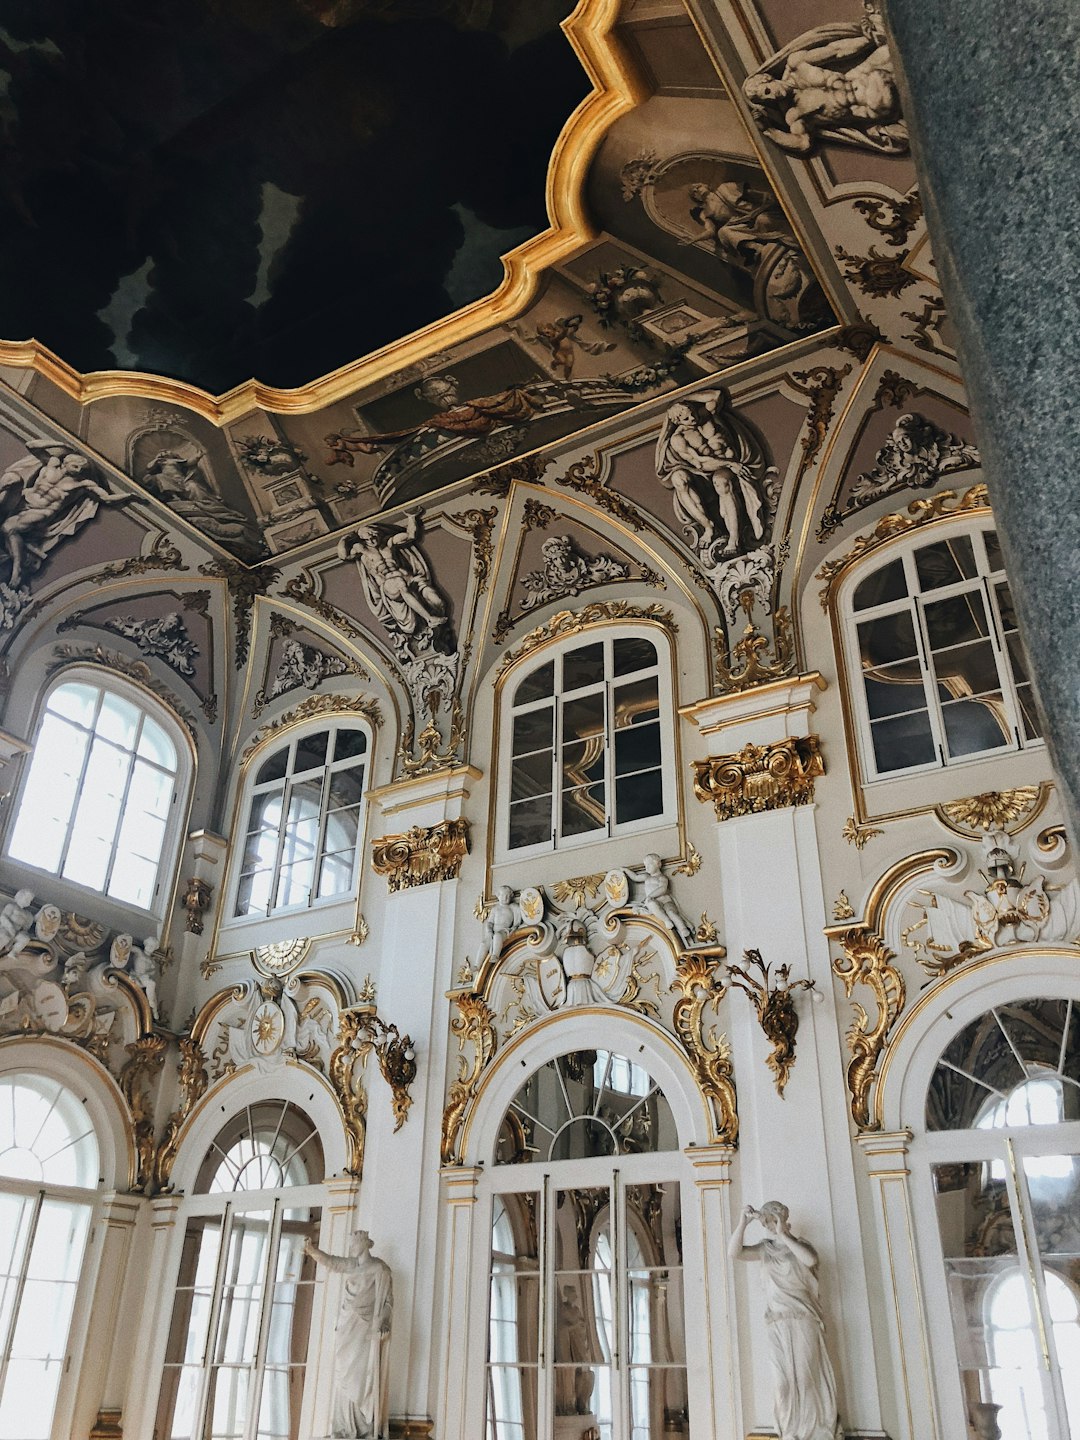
<point>760,777</point>
<point>422,854</point>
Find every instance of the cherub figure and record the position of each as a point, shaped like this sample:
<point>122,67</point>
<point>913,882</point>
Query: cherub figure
<point>16,920</point>
<point>499,924</point>
<point>657,900</point>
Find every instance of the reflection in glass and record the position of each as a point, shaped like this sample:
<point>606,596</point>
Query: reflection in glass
<point>577,1106</point>
<point>513,1318</point>
<point>1053,1183</point>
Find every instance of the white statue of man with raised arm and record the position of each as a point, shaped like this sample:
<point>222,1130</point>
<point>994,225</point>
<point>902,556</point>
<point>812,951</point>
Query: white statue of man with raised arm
<point>805,1405</point>
<point>361,1336</point>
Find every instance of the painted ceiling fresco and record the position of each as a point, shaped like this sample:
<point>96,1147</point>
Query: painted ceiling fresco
<point>229,188</point>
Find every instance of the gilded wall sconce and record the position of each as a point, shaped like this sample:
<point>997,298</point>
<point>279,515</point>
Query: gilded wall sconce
<point>396,1057</point>
<point>773,999</point>
<point>197,895</point>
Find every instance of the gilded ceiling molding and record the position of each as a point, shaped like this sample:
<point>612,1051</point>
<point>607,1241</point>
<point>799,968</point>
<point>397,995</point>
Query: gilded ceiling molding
<point>867,960</point>
<point>478,525</point>
<point>751,649</point>
<point>315,705</point>
<point>162,555</point>
<point>422,855</point>
<point>570,622</point>
<point>888,885</point>
<point>474,1025</point>
<point>617,89</point>
<point>760,777</point>
<point>697,978</point>
<point>946,506</point>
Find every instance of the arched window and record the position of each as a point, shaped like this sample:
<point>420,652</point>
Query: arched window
<point>586,1318</point>
<point>303,822</point>
<point>590,744</point>
<point>98,803</point>
<point>237,1348</point>
<point>48,1175</point>
<point>943,676</point>
<point>1007,1087</point>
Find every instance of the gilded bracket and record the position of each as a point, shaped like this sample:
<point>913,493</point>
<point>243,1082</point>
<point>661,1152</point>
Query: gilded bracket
<point>760,777</point>
<point>346,1063</point>
<point>146,1056</point>
<point>474,1025</point>
<point>867,960</point>
<point>698,978</point>
<point>194,1079</point>
<point>393,1051</point>
<point>422,855</point>
<point>775,1006</point>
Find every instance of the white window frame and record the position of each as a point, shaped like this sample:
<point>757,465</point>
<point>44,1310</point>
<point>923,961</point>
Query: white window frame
<point>606,685</point>
<point>913,604</point>
<point>226,1206</point>
<point>60,888</point>
<point>79,1198</point>
<point>251,790</point>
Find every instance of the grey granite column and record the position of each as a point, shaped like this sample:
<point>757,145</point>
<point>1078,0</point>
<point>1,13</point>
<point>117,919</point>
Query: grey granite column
<point>992,98</point>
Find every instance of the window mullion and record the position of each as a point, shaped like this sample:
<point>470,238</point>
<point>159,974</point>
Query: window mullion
<point>265,1315</point>
<point>24,1266</point>
<point>78,793</point>
<point>320,838</point>
<point>283,829</point>
<point>123,813</point>
<point>930,682</point>
<point>211,1344</point>
<point>609,743</point>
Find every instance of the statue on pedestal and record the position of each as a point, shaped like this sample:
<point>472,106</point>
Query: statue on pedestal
<point>361,1364</point>
<point>805,1406</point>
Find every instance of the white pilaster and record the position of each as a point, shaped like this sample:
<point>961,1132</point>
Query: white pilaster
<point>712,1177</point>
<point>153,1261</point>
<point>459,1189</point>
<point>886,1159</point>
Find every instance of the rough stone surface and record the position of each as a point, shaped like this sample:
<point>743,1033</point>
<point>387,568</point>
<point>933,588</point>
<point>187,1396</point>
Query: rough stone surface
<point>992,98</point>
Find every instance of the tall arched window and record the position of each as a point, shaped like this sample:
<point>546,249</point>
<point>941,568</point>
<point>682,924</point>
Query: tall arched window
<point>942,673</point>
<point>590,744</point>
<point>48,1176</point>
<point>1002,1112</point>
<point>237,1349</point>
<point>586,1322</point>
<point>99,799</point>
<point>303,822</point>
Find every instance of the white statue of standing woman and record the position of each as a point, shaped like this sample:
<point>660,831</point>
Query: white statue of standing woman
<point>361,1336</point>
<point>805,1407</point>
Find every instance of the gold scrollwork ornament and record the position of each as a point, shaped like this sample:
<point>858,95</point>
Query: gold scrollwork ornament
<point>697,979</point>
<point>760,777</point>
<point>473,1025</point>
<point>867,960</point>
<point>422,855</point>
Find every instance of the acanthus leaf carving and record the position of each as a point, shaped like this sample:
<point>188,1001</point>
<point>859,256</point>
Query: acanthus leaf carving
<point>868,961</point>
<point>473,1025</point>
<point>701,989</point>
<point>760,777</point>
<point>421,855</point>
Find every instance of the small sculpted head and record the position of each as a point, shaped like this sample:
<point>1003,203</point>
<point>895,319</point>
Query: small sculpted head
<point>360,1243</point>
<point>506,894</point>
<point>652,863</point>
<point>772,1214</point>
<point>761,89</point>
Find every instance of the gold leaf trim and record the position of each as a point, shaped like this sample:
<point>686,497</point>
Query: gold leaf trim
<point>697,978</point>
<point>570,622</point>
<point>945,506</point>
<point>867,960</point>
<point>422,855</point>
<point>473,1025</point>
<point>760,777</point>
<point>992,810</point>
<point>363,705</point>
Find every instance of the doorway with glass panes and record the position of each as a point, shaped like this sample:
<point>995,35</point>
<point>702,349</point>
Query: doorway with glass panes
<point>586,1334</point>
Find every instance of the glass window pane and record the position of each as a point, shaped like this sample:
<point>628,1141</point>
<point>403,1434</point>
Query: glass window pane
<point>530,822</point>
<point>903,741</point>
<point>346,787</point>
<point>887,639</point>
<point>640,795</point>
<point>894,689</point>
<point>972,726</point>
<point>117,720</point>
<point>29,1399</point>
<point>636,703</point>
<point>583,717</point>
<point>632,652</point>
<point>537,684</point>
<point>531,775</point>
<point>955,621</point>
<point>637,749</point>
<point>336,873</point>
<point>155,745</point>
<point>945,562</point>
<point>349,744</point>
<point>311,751</point>
<point>274,767</point>
<point>76,700</point>
<point>583,809</point>
<point>886,583</point>
<point>995,558</point>
<point>583,761</point>
<point>533,730</point>
<point>583,666</point>
<point>294,884</point>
